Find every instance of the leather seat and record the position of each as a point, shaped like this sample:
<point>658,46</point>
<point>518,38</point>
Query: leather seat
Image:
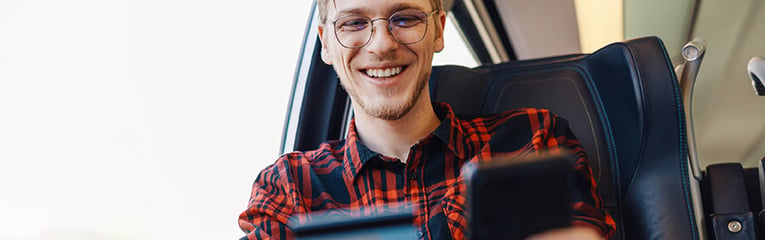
<point>624,105</point>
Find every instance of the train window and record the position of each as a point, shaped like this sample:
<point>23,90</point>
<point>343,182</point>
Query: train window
<point>456,51</point>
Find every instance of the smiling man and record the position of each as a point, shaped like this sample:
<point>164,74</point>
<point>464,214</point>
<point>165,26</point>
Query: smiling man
<point>401,148</point>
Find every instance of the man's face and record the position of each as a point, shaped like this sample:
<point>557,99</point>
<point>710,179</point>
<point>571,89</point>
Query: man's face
<point>384,78</point>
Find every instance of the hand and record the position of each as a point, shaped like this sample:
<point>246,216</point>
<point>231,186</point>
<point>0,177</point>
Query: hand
<point>577,232</point>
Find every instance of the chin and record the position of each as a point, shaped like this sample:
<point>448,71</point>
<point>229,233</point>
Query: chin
<point>389,113</point>
<point>387,109</point>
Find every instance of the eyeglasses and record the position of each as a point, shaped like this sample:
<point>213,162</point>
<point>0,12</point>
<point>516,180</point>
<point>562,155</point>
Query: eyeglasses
<point>406,27</point>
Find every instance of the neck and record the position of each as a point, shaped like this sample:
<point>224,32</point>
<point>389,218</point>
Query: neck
<point>394,138</point>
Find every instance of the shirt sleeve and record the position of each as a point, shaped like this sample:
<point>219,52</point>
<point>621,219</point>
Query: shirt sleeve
<point>588,207</point>
<point>270,205</point>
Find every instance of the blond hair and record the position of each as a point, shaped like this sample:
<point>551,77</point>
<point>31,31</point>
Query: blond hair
<point>437,5</point>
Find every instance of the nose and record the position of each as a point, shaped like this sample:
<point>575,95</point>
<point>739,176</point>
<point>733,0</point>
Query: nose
<point>382,41</point>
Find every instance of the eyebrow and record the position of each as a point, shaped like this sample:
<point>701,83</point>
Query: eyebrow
<point>362,10</point>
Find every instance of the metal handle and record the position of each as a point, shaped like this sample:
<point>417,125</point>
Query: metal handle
<point>693,53</point>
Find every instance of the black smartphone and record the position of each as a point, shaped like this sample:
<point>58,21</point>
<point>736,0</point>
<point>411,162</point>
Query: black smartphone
<point>516,198</point>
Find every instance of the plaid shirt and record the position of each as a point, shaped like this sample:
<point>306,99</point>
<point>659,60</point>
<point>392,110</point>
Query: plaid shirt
<point>345,174</point>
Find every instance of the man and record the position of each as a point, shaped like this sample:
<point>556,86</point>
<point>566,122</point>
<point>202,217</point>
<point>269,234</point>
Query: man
<point>401,148</point>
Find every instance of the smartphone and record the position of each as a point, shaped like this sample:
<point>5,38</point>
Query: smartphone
<point>516,198</point>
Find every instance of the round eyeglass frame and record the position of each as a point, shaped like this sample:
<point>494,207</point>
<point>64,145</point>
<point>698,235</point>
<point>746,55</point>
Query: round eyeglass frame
<point>372,32</point>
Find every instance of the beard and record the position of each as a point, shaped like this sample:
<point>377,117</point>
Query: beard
<point>394,111</point>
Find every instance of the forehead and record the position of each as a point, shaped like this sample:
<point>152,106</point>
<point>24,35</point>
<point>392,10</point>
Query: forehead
<point>372,7</point>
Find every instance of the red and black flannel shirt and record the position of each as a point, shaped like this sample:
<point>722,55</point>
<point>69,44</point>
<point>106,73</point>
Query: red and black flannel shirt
<point>345,174</point>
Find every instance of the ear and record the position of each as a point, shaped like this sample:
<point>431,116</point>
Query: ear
<point>325,54</point>
<point>439,41</point>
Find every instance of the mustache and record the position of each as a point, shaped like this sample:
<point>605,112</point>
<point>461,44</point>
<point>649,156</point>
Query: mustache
<point>390,58</point>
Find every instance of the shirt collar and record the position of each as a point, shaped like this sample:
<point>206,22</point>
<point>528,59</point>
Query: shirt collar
<point>449,131</point>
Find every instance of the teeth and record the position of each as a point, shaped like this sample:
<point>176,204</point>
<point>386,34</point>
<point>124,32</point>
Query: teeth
<point>380,73</point>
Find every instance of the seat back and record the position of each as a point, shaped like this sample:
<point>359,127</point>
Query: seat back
<point>624,106</point>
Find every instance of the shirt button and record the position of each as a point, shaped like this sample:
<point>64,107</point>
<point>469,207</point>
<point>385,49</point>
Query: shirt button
<point>419,234</point>
<point>412,175</point>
